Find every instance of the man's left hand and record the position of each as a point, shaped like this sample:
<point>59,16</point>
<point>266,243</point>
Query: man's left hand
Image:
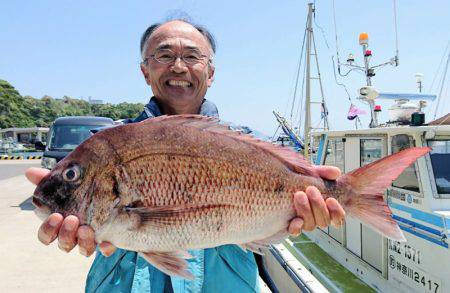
<point>312,210</point>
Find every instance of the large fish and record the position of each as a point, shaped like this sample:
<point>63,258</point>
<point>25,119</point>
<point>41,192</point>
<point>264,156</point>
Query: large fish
<point>173,183</point>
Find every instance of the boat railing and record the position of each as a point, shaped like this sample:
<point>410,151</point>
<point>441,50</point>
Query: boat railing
<point>313,269</point>
<point>288,273</point>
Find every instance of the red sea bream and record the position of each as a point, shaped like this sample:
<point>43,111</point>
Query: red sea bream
<point>173,183</point>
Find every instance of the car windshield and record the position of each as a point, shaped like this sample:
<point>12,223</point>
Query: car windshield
<point>68,137</point>
<point>440,159</point>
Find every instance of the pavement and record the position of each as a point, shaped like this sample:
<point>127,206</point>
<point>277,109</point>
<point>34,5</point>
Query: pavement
<point>26,264</point>
<point>13,168</point>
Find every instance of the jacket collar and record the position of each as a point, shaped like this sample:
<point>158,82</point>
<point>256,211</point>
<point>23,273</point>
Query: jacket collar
<point>207,108</point>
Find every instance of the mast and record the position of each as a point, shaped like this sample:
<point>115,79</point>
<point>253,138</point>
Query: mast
<point>307,130</point>
<point>369,72</point>
<point>311,49</point>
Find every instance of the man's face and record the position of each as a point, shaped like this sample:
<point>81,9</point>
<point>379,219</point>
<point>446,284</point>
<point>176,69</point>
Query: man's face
<point>178,84</point>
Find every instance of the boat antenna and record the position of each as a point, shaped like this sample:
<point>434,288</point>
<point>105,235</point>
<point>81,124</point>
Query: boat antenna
<point>393,61</point>
<point>334,65</point>
<point>394,3</point>
<point>336,39</point>
<point>367,69</point>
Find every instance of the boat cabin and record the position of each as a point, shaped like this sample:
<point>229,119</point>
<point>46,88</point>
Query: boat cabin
<point>419,199</point>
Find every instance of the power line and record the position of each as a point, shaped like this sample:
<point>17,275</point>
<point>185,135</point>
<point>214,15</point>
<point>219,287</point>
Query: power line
<point>338,83</point>
<point>440,64</point>
<point>298,74</point>
<point>335,34</point>
<point>320,28</point>
<point>442,85</point>
<point>301,104</point>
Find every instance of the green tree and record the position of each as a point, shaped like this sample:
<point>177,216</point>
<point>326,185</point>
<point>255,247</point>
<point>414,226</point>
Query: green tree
<point>13,108</point>
<point>18,111</point>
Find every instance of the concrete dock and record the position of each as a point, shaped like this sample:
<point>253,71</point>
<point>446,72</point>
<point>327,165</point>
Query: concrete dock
<point>26,264</point>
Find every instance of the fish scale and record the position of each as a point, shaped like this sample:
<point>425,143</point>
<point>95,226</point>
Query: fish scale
<point>218,191</point>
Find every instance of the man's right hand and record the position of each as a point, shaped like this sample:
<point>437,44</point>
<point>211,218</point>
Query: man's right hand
<point>67,230</point>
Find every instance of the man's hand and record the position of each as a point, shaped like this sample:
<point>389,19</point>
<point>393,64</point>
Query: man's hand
<point>67,230</point>
<point>312,210</point>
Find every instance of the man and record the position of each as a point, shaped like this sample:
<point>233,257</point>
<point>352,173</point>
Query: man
<point>178,66</point>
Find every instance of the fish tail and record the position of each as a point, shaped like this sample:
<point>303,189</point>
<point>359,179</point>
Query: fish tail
<point>365,186</point>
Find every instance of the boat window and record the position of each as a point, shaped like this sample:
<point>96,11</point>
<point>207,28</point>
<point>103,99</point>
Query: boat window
<point>408,179</point>
<point>335,153</point>
<point>370,150</point>
<point>440,160</point>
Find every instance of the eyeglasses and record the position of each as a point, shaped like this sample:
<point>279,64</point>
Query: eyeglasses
<point>168,56</point>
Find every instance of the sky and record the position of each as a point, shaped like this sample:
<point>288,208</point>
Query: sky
<point>91,49</point>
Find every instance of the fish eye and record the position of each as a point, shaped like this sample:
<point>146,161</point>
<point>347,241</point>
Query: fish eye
<point>71,174</point>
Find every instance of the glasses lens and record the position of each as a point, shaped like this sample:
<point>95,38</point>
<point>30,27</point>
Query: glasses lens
<point>192,57</point>
<point>164,56</point>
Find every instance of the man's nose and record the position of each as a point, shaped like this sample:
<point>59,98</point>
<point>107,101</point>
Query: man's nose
<point>179,66</point>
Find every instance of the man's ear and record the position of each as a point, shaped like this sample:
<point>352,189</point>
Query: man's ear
<point>145,72</point>
<point>211,69</point>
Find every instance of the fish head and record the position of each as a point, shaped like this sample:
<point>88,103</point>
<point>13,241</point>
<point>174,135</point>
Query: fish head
<point>63,190</point>
<point>72,185</point>
<point>83,184</point>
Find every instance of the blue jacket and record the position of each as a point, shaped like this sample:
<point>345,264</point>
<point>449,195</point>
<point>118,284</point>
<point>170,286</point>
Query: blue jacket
<point>225,268</point>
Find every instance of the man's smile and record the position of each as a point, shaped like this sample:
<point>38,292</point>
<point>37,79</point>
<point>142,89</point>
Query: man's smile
<point>178,83</point>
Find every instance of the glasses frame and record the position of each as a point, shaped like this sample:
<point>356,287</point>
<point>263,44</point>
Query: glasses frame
<point>176,57</point>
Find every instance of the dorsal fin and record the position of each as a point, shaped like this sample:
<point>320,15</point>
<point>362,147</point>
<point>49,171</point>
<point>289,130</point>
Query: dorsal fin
<point>290,158</point>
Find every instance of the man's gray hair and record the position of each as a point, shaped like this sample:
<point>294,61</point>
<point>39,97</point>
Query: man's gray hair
<point>148,32</point>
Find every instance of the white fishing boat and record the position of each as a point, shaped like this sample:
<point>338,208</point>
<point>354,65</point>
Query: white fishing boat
<point>419,198</point>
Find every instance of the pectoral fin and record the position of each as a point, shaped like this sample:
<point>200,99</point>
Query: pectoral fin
<point>172,263</point>
<point>166,215</point>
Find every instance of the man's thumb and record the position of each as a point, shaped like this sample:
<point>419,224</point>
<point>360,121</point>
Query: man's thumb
<point>35,175</point>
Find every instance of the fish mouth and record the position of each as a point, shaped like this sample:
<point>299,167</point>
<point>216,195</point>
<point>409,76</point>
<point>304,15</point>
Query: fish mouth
<point>42,210</point>
<point>39,203</point>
